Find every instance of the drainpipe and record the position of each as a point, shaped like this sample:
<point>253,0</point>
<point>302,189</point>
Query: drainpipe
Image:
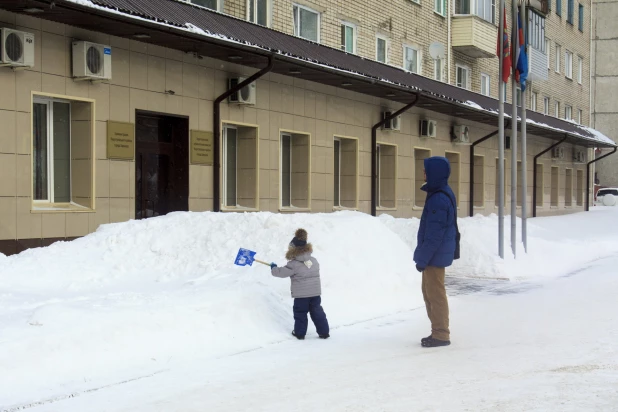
<point>216,195</point>
<point>588,176</point>
<point>374,147</point>
<point>472,147</point>
<point>534,182</point>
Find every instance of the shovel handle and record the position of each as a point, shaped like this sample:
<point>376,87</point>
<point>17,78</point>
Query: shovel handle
<point>262,262</point>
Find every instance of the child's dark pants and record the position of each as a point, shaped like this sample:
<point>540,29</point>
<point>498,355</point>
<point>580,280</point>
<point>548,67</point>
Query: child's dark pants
<point>314,307</point>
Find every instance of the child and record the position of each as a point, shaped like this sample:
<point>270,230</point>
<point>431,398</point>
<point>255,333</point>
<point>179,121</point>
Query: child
<point>304,272</point>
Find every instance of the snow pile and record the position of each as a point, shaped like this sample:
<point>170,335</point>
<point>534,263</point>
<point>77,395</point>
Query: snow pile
<point>141,295</point>
<point>556,245</point>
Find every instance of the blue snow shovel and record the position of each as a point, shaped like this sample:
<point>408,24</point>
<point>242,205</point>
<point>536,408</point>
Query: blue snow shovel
<point>247,257</point>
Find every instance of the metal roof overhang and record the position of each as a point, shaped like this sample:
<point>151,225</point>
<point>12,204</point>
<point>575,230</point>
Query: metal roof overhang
<point>444,98</point>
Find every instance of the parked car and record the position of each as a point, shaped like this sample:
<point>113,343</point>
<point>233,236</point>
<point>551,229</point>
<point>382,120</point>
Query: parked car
<point>612,196</point>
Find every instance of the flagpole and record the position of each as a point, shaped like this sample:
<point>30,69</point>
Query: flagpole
<point>524,156</point>
<point>515,49</point>
<point>501,98</point>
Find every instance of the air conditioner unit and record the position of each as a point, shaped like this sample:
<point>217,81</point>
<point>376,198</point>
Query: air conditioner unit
<point>246,95</point>
<point>461,134</point>
<point>91,61</point>
<point>579,156</point>
<point>16,48</point>
<point>428,128</point>
<point>557,152</point>
<point>393,124</point>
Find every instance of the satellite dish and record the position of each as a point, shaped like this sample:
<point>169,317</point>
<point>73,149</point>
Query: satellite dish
<point>436,50</point>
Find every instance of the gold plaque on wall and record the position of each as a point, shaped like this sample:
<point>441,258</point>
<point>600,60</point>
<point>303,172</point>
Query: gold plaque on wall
<point>120,140</point>
<point>201,148</point>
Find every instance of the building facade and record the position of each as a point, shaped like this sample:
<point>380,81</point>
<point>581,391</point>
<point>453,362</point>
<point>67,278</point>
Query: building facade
<point>605,84</point>
<point>79,152</point>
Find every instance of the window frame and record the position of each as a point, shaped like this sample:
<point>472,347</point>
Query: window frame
<point>546,105</point>
<point>580,116</point>
<point>568,64</point>
<point>296,8</point>
<point>486,82</point>
<point>255,13</point>
<point>468,72</point>
<point>438,70</point>
<point>394,147</point>
<point>580,22</point>
<point>558,49</point>
<point>386,47</point>
<point>419,65</point>
<point>548,48</point>
<point>559,8</point>
<point>354,36</point>
<point>289,135</point>
<point>49,101</point>
<point>534,96</point>
<point>568,109</point>
<point>580,69</point>
<point>218,7</point>
<point>557,109</point>
<point>536,31</point>
<point>227,127</point>
<point>355,140</point>
<point>443,6</point>
<point>570,11</point>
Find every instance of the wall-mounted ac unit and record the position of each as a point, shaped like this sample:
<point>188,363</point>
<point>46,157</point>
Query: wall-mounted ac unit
<point>246,95</point>
<point>393,124</point>
<point>557,153</point>
<point>579,156</point>
<point>91,61</point>
<point>461,134</point>
<point>428,128</point>
<point>16,48</point>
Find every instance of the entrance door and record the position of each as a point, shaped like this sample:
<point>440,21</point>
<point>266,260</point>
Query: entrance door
<point>161,164</point>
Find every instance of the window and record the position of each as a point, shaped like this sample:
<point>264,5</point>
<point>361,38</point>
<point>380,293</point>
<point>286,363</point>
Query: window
<point>559,8</point>
<point>345,173</point>
<point>306,23</point>
<point>536,31</point>
<point>580,115</point>
<point>211,4</point>
<point>440,7</point>
<point>568,188</point>
<point>437,69</point>
<point>348,37</point>
<point>520,192</point>
<point>579,196</point>
<point>568,64</point>
<point>485,9</point>
<point>568,112</point>
<point>580,22</point>
<point>479,181</point>
<point>295,171</point>
<point>580,69</point>
<point>533,97</point>
<point>387,176</point>
<point>570,11</point>
<point>52,151</point>
<point>485,84</point>
<point>504,90</point>
<point>62,144</point>
<point>547,45</point>
<point>454,160</point>
<point>240,167</point>
<point>558,54</point>
<point>546,106</point>
<point>553,198</point>
<point>419,176</point>
<point>463,77</point>
<point>258,12</point>
<point>540,184</point>
<point>411,59</point>
<point>557,109</point>
<point>382,49</point>
<point>518,97</point>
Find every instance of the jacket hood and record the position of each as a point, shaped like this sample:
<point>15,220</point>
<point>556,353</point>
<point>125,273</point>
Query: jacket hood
<point>438,170</point>
<point>299,253</point>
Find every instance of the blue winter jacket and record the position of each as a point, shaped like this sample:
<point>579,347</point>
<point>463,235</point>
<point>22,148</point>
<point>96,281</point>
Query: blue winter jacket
<point>436,234</point>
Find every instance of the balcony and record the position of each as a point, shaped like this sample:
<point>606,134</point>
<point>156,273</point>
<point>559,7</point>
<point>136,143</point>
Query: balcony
<point>474,36</point>
<point>537,65</point>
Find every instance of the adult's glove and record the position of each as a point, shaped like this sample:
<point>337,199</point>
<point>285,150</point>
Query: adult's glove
<point>419,268</point>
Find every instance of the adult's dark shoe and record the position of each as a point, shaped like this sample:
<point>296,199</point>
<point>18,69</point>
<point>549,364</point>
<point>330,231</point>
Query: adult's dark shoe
<point>434,343</point>
<point>426,339</point>
<point>299,337</point>
<point>324,336</point>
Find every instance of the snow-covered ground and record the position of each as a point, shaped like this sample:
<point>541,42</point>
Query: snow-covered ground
<point>153,315</point>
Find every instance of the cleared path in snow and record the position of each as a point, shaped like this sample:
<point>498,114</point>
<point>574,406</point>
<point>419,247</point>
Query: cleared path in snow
<point>547,348</point>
